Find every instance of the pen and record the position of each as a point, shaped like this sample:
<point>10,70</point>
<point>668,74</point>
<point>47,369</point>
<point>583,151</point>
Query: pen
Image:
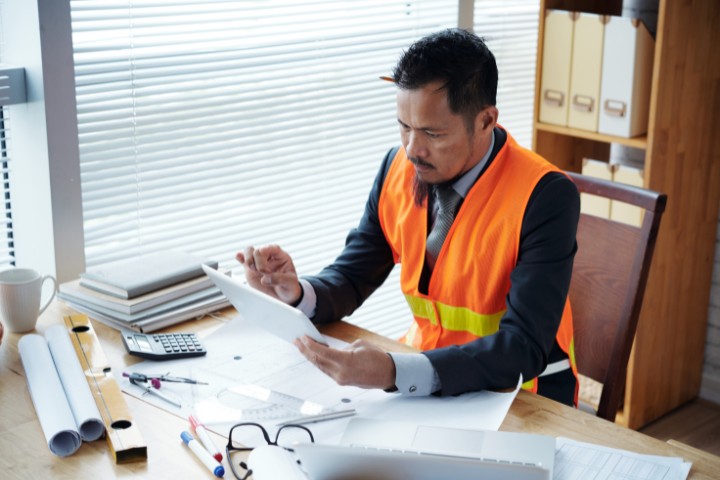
<point>323,417</point>
<point>205,439</point>
<point>203,455</point>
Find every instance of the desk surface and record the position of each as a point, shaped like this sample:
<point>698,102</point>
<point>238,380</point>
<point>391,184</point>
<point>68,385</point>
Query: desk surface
<point>24,452</point>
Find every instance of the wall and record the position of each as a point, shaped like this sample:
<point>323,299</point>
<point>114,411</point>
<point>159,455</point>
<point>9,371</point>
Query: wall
<point>710,389</point>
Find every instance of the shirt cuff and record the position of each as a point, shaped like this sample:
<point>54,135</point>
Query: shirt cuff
<point>308,304</point>
<point>414,374</point>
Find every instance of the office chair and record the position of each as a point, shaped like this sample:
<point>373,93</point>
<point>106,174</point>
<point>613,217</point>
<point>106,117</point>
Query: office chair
<point>608,283</point>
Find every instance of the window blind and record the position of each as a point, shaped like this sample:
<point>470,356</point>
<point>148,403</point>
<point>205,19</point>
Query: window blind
<point>510,28</point>
<point>207,126</point>
<point>6,232</point>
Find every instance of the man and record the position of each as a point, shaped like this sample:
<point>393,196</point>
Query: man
<point>484,229</point>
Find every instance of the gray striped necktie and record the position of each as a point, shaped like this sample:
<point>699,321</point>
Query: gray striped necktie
<point>447,199</point>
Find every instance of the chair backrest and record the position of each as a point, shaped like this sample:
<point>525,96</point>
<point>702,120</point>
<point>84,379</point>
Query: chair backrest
<point>608,283</point>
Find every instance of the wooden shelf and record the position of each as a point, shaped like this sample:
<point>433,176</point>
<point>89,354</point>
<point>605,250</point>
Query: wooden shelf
<point>681,160</point>
<point>635,142</point>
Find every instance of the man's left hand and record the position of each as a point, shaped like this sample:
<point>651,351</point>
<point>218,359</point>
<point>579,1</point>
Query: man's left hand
<point>361,364</point>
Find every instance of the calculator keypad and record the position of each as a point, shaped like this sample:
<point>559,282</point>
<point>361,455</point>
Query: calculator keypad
<point>178,342</point>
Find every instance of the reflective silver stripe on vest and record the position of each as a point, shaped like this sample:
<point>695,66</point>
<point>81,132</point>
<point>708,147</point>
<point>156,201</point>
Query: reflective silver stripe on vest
<point>555,367</point>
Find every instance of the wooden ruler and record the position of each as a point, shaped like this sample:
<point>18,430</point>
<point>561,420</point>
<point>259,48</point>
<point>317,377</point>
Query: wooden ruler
<point>123,436</point>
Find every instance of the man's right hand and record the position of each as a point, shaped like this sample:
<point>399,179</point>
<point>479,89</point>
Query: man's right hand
<point>271,270</point>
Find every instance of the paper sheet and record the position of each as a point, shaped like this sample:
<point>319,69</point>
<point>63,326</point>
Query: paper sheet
<point>240,354</point>
<point>586,461</point>
<point>64,404</point>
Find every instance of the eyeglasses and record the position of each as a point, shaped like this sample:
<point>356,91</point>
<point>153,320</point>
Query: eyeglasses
<point>244,437</point>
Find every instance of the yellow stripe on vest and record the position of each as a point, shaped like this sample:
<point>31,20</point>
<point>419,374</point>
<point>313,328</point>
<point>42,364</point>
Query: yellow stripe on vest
<point>571,355</point>
<point>530,385</point>
<point>459,319</point>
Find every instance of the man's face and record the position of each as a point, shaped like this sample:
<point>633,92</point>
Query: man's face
<point>437,140</point>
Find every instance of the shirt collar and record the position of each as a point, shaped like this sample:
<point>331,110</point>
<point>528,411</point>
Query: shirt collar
<point>463,184</point>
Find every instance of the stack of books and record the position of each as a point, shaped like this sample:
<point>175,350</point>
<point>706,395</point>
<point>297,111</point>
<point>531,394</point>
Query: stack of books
<point>145,293</point>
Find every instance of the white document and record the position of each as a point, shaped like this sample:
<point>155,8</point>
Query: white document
<point>580,461</point>
<point>483,410</point>
<point>242,354</point>
<point>64,404</point>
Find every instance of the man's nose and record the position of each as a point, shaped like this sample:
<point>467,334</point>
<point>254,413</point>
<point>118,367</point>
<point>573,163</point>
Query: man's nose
<point>415,146</point>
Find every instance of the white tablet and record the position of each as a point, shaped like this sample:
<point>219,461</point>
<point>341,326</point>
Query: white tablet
<point>263,310</point>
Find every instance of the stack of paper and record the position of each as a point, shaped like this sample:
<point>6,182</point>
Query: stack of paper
<point>145,293</point>
<point>578,460</point>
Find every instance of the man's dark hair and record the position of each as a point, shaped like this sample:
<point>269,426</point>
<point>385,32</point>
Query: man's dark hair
<point>460,60</point>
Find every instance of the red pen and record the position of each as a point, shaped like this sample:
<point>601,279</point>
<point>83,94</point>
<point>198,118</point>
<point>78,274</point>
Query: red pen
<point>205,439</point>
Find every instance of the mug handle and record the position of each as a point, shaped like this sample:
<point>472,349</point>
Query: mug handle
<point>48,277</point>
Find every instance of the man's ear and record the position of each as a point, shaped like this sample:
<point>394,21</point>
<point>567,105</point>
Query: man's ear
<point>486,120</point>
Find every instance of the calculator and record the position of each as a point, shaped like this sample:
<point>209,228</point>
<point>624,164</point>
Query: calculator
<point>163,346</point>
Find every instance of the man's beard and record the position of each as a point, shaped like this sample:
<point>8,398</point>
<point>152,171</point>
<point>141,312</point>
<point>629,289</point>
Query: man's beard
<point>421,189</point>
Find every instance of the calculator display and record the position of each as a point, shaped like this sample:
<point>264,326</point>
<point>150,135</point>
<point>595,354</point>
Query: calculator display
<point>143,343</point>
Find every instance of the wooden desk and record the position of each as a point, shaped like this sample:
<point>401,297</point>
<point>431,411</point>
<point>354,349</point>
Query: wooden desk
<point>24,452</point>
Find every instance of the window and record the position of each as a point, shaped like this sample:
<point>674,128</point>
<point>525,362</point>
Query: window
<point>510,28</point>
<point>6,232</point>
<point>209,125</point>
<point>6,237</point>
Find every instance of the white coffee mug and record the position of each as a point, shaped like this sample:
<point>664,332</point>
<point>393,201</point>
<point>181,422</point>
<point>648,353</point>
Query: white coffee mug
<point>20,294</point>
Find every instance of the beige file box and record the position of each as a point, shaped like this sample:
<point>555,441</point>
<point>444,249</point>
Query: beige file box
<point>628,51</point>
<point>586,71</point>
<point>557,55</point>
<point>592,204</point>
<point>622,212</point>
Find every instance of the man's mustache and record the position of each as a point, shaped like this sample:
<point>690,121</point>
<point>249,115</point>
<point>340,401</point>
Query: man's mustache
<point>420,162</point>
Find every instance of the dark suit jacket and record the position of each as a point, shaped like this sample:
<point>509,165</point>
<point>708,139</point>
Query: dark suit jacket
<point>525,342</point>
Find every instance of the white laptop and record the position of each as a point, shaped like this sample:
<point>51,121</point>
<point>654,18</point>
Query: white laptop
<point>405,451</point>
<point>263,310</point>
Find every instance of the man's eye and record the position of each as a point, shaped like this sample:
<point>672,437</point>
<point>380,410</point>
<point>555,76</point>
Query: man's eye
<point>432,134</point>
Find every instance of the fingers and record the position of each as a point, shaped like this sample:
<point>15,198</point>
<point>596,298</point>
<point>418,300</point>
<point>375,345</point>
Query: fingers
<point>247,258</point>
<point>263,259</point>
<point>325,358</point>
<point>278,279</point>
<point>362,364</point>
<point>269,258</point>
<point>315,351</point>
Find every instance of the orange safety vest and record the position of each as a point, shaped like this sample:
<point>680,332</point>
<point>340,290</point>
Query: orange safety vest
<point>466,293</point>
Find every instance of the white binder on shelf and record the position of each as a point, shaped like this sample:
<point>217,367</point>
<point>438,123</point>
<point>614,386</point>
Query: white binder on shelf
<point>628,53</point>
<point>586,71</point>
<point>592,204</point>
<point>557,55</point>
<point>623,212</point>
